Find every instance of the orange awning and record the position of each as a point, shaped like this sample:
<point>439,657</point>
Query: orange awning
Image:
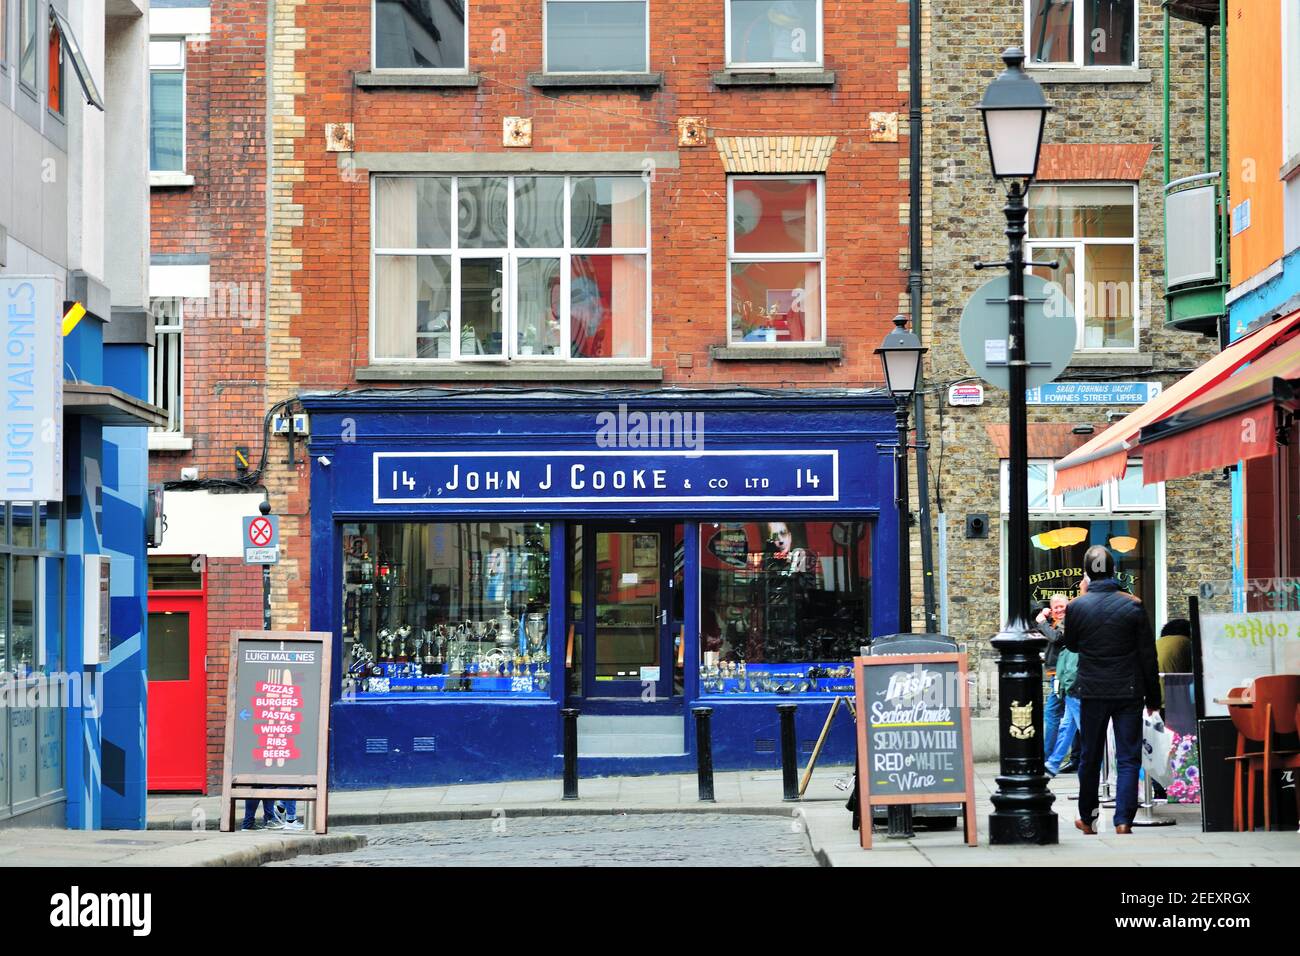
<point>1106,456</point>
<point>1234,421</point>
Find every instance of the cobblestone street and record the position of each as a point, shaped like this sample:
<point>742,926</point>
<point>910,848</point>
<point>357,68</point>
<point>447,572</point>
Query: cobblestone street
<point>622,840</point>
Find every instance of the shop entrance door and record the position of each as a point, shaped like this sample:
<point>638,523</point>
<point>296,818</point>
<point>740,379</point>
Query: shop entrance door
<point>627,647</point>
<point>178,642</point>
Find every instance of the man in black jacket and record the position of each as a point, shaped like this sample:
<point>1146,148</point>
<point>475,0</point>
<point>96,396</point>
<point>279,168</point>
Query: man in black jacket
<point>1110,632</point>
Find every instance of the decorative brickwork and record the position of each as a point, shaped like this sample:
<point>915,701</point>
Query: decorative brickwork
<point>1093,161</point>
<point>776,154</point>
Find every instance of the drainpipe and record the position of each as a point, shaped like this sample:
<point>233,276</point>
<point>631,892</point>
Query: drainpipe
<point>914,292</point>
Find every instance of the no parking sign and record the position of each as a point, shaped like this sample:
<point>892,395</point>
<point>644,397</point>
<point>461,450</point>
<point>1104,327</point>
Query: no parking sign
<point>262,539</point>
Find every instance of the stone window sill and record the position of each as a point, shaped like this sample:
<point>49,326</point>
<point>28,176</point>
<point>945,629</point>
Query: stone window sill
<point>1290,169</point>
<point>1111,360</point>
<point>169,180</point>
<point>776,353</point>
<point>774,78</point>
<point>1096,74</point>
<point>596,81</point>
<point>170,441</point>
<point>415,78</point>
<point>509,372</point>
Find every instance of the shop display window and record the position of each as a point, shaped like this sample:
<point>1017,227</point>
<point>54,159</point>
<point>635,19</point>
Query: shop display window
<point>1057,549</point>
<point>446,607</point>
<point>785,605</point>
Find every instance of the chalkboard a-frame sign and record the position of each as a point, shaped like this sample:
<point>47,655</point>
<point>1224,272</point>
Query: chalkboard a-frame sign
<point>277,720</point>
<point>914,742</point>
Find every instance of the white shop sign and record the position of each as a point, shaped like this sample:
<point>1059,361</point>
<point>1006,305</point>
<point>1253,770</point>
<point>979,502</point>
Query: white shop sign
<point>1236,648</point>
<point>31,401</point>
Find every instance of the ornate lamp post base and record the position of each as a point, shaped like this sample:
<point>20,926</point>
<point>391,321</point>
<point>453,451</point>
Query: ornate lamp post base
<point>1022,806</point>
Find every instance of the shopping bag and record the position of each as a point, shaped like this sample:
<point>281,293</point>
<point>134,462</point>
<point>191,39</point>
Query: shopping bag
<point>1157,742</point>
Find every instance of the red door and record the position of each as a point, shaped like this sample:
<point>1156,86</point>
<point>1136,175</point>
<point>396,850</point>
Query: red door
<point>178,644</point>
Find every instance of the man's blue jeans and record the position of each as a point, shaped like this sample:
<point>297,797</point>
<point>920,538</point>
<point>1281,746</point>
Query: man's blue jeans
<point>1126,715</point>
<point>1064,735</point>
<point>1051,719</point>
<point>250,811</point>
<point>268,811</point>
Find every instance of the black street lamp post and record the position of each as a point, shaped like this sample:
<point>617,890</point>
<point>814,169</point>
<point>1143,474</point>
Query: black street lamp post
<point>900,354</point>
<point>1014,110</point>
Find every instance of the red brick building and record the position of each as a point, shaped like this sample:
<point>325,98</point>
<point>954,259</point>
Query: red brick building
<point>207,280</point>
<point>612,198</point>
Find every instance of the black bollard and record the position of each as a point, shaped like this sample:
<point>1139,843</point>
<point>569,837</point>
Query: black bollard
<point>704,751</point>
<point>570,752</point>
<point>789,758</point>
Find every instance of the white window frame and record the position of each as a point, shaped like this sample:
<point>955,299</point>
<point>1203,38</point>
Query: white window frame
<point>1033,245</point>
<point>179,41</point>
<point>448,70</point>
<point>1111,508</point>
<point>732,64</point>
<point>819,255</point>
<point>1079,40</point>
<point>176,329</point>
<point>34,86</point>
<point>546,54</point>
<point>510,255</point>
<point>1110,503</point>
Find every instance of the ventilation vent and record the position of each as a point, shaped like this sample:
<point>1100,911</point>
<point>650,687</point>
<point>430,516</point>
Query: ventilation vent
<point>764,745</point>
<point>424,745</point>
<point>376,745</point>
<point>806,746</point>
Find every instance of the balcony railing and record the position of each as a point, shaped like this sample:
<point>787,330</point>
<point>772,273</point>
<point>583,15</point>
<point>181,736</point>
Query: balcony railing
<point>1194,279</point>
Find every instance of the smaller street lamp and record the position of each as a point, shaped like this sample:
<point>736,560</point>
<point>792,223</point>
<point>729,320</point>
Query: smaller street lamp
<point>900,355</point>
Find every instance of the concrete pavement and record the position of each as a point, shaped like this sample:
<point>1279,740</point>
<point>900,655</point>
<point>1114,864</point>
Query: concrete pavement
<point>182,829</point>
<point>32,846</point>
<point>821,814</point>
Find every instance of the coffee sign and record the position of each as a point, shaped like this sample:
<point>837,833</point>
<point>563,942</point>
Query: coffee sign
<point>914,733</point>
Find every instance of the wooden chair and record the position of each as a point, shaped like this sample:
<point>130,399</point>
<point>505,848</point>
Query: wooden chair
<point>1274,712</point>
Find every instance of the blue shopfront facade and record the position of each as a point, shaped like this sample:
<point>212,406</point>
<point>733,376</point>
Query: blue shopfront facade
<point>485,559</point>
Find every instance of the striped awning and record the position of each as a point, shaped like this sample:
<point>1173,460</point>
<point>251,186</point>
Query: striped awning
<point>1106,456</point>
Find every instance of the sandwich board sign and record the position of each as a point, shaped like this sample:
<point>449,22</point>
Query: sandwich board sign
<point>914,740</point>
<point>277,720</point>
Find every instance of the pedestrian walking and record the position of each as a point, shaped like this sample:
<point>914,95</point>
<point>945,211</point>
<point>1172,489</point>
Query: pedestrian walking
<point>1067,673</point>
<point>1048,623</point>
<point>1117,675</point>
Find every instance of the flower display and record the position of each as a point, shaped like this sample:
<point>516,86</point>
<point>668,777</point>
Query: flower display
<point>1184,761</point>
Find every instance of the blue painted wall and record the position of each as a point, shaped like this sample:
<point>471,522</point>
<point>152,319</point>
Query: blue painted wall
<point>105,485</point>
<point>483,738</point>
<point>1265,300</point>
<point>126,485</point>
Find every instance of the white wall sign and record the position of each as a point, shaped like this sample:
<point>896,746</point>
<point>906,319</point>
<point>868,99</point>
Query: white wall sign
<point>31,397</point>
<point>971,393</point>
